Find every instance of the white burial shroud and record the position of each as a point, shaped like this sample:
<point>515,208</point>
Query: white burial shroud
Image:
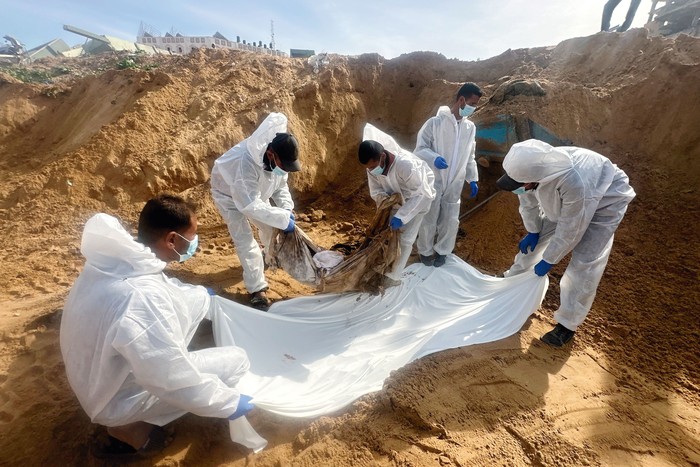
<point>311,356</point>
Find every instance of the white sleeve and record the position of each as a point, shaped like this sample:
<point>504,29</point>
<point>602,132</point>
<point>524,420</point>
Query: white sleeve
<point>573,220</point>
<point>425,142</point>
<point>282,197</point>
<point>376,191</point>
<point>530,212</point>
<point>472,169</point>
<point>245,191</point>
<point>417,182</point>
<point>161,364</point>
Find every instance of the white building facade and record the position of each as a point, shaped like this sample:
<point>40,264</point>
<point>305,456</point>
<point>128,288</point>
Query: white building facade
<point>183,45</point>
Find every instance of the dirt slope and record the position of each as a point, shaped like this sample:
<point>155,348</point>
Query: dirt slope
<point>99,139</point>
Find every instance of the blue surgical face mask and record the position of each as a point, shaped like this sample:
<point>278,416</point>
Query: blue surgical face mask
<point>378,170</point>
<point>466,111</point>
<point>519,191</point>
<point>276,169</point>
<point>192,247</point>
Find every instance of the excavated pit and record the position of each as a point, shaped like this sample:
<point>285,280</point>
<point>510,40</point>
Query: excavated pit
<point>99,139</point>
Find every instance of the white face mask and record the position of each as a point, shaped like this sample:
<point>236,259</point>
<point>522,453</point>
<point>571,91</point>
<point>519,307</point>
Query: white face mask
<point>378,170</point>
<point>191,248</point>
<point>519,191</point>
<point>466,111</point>
<point>277,170</point>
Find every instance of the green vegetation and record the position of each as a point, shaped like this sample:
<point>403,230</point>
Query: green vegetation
<point>127,63</point>
<point>40,73</point>
<point>28,75</point>
<point>135,62</point>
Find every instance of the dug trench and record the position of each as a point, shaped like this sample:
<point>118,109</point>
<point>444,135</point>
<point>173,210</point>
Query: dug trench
<point>98,139</point>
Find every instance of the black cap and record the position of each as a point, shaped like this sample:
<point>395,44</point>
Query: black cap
<point>508,184</point>
<point>286,147</point>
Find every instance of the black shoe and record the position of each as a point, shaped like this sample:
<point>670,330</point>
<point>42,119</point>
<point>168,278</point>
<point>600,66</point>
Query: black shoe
<point>427,260</point>
<point>260,301</point>
<point>439,260</point>
<point>114,449</point>
<point>558,336</point>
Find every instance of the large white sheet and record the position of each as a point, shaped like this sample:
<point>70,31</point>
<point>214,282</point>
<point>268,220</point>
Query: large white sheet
<point>314,355</point>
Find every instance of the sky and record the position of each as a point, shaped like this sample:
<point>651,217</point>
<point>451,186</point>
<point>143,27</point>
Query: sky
<point>466,30</point>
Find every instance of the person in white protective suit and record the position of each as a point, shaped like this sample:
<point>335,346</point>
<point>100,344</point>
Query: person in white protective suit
<point>571,200</point>
<point>243,181</point>
<point>447,142</point>
<point>391,169</point>
<point>126,326</point>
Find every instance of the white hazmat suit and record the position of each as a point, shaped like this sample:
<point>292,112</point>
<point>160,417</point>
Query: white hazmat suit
<point>455,141</point>
<point>124,335</point>
<point>242,190</point>
<point>409,176</point>
<point>577,206</point>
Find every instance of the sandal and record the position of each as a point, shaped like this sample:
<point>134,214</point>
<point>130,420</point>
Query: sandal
<point>158,439</point>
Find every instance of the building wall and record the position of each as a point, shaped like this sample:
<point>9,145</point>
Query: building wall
<point>185,44</point>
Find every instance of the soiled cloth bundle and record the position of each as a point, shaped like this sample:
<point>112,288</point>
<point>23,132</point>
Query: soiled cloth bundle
<point>362,271</point>
<point>294,252</point>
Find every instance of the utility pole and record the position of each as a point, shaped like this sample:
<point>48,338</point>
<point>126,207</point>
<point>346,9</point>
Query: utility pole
<point>272,34</point>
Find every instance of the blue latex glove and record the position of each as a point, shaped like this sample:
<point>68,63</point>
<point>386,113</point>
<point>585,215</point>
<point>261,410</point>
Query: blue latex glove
<point>542,268</point>
<point>211,291</point>
<point>529,241</point>
<point>291,214</point>
<point>395,223</point>
<point>244,406</point>
<point>290,226</point>
<point>475,189</point>
<point>440,162</point>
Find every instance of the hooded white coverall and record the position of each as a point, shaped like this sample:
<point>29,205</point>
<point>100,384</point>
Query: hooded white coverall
<point>577,206</point>
<point>124,335</point>
<point>242,190</point>
<point>409,176</point>
<point>455,141</point>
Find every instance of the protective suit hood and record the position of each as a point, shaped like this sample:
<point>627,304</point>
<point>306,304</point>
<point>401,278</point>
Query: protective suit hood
<point>110,249</point>
<point>375,134</point>
<point>264,134</point>
<point>444,111</point>
<point>536,161</point>
<point>408,175</point>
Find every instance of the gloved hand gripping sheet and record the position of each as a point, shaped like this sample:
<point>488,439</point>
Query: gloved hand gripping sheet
<point>311,356</point>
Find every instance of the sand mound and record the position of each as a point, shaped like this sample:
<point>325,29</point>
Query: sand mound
<point>98,138</point>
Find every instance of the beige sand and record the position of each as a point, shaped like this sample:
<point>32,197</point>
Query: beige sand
<point>105,140</point>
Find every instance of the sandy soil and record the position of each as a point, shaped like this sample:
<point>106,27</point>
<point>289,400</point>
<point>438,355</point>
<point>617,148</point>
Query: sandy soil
<point>99,139</point>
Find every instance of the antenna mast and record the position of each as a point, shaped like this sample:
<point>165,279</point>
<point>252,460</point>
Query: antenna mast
<point>272,34</point>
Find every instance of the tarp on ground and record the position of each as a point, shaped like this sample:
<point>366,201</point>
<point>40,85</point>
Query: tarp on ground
<point>311,356</point>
